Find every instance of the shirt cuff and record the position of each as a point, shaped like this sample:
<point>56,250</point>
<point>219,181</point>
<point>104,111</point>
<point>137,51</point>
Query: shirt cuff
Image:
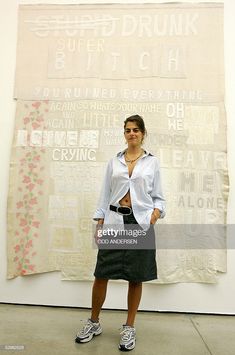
<point>162,211</point>
<point>98,215</point>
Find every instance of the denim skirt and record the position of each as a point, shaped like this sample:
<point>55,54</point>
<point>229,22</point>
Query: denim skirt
<point>136,265</point>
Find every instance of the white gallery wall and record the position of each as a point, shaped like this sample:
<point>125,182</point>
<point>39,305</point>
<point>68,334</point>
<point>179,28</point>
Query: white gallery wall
<point>48,289</point>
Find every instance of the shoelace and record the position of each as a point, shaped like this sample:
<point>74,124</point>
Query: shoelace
<point>86,326</point>
<point>127,333</point>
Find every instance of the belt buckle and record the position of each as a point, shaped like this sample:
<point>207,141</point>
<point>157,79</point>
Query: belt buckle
<point>124,214</point>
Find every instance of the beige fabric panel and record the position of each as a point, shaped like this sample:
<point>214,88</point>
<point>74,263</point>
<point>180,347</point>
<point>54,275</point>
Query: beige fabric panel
<point>66,52</point>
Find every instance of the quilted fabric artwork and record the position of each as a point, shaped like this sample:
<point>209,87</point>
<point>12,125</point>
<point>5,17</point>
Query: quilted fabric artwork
<point>80,70</point>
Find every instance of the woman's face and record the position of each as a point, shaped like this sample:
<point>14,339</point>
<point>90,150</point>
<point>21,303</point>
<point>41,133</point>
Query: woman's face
<point>133,134</point>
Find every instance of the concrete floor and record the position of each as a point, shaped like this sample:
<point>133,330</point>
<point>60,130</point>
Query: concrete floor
<point>51,330</point>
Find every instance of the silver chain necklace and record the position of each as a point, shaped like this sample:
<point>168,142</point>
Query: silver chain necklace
<point>132,160</point>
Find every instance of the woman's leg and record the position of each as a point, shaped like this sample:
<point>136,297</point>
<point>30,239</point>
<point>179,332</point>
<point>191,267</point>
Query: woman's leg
<point>98,297</point>
<point>133,301</point>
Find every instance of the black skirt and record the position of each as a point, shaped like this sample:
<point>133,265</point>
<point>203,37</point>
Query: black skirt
<point>136,265</point>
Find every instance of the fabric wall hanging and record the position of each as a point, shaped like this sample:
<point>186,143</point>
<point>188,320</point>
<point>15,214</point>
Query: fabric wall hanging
<point>81,69</point>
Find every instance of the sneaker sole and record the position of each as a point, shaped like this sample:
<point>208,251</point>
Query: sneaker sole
<point>122,348</point>
<point>86,340</point>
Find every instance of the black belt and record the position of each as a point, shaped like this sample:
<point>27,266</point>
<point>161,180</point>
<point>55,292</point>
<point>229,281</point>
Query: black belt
<point>123,210</point>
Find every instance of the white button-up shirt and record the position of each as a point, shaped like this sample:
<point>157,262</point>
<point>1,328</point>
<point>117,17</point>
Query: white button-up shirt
<point>144,185</point>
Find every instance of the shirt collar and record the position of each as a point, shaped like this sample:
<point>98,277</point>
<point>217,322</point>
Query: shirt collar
<point>120,155</point>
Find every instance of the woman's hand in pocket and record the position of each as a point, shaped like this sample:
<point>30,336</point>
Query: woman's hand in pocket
<point>155,215</point>
<point>98,230</point>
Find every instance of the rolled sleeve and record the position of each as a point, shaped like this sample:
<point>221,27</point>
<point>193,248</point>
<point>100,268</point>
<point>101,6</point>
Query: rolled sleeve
<point>104,194</point>
<point>157,192</point>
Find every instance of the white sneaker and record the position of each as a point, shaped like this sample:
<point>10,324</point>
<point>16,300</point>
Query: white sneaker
<point>128,338</point>
<point>89,330</point>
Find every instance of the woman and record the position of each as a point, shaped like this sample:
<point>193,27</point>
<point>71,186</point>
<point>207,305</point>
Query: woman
<point>131,195</point>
